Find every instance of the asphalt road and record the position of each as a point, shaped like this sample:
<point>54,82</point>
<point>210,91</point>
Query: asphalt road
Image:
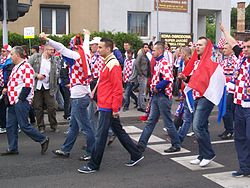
<point>30,169</point>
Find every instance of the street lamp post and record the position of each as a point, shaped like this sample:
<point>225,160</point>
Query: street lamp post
<point>157,19</point>
<point>5,29</point>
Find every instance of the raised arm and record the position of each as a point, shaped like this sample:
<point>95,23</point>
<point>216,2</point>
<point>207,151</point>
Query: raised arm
<point>230,40</point>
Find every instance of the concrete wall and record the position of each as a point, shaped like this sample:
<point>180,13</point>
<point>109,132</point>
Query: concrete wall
<point>114,18</point>
<point>82,14</point>
<point>221,8</point>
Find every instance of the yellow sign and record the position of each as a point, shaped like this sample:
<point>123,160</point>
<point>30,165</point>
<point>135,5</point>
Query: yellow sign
<point>29,32</point>
<point>176,40</point>
<point>172,5</point>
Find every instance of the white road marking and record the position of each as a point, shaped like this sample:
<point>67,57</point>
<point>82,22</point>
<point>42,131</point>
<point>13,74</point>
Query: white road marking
<point>222,141</point>
<point>131,129</point>
<point>161,147</point>
<point>226,180</point>
<point>152,139</point>
<point>185,161</point>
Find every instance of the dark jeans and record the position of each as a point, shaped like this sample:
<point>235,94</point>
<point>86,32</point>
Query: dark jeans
<point>160,106</point>
<point>43,97</point>
<point>105,121</point>
<point>242,137</point>
<point>18,115</point>
<point>187,121</point>
<point>66,97</point>
<point>129,93</point>
<point>228,118</point>
<point>203,109</point>
<point>3,109</point>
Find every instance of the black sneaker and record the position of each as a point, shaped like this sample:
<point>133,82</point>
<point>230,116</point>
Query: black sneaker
<point>227,135</point>
<point>172,149</point>
<point>238,174</point>
<point>9,152</point>
<point>60,153</point>
<point>133,163</point>
<point>86,169</point>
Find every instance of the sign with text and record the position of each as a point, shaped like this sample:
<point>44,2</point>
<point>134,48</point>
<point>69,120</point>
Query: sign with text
<point>172,5</point>
<point>176,40</point>
<point>29,32</point>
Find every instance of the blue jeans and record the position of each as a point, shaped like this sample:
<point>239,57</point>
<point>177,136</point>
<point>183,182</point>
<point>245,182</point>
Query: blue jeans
<point>142,80</point>
<point>18,115</point>
<point>187,121</point>
<point>79,120</point>
<point>242,137</point>
<point>203,109</point>
<point>228,118</point>
<point>93,114</point>
<point>105,121</point>
<point>160,105</point>
<point>129,93</point>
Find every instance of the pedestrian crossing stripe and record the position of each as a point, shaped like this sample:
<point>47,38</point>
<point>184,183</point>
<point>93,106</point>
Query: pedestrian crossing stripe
<point>185,161</point>
<point>226,180</point>
<point>159,148</point>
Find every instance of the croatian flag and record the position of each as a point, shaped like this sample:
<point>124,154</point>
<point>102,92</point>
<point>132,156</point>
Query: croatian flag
<point>208,80</point>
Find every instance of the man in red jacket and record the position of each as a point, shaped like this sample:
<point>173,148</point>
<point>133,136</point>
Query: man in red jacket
<point>109,99</point>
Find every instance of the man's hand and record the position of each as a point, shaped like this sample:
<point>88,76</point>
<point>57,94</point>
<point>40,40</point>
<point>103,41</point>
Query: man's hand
<point>116,114</point>
<point>43,36</point>
<point>182,76</point>
<point>86,32</point>
<point>222,28</point>
<point>40,77</point>
<point>4,91</point>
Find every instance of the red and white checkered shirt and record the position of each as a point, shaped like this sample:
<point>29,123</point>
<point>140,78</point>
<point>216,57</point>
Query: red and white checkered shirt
<point>242,84</point>
<point>163,68</point>
<point>127,70</point>
<point>228,64</point>
<point>96,65</point>
<point>22,75</point>
<point>1,78</point>
<point>196,94</point>
<point>76,75</point>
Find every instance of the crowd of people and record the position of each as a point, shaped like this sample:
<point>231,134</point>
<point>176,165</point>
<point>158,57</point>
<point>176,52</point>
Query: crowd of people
<point>96,81</point>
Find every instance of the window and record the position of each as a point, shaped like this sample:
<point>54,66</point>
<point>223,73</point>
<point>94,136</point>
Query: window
<point>138,23</point>
<point>55,20</point>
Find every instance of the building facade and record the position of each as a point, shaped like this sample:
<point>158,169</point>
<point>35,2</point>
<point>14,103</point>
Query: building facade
<point>59,16</point>
<point>177,17</point>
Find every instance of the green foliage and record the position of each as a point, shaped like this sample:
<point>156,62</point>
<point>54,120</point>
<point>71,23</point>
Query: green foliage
<point>248,17</point>
<point>233,18</point>
<point>211,28</point>
<point>119,38</point>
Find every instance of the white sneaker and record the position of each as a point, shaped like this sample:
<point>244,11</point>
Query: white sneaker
<point>195,162</point>
<point>190,134</point>
<point>165,129</point>
<point>2,130</point>
<point>206,162</point>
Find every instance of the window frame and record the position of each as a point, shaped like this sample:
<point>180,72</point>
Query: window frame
<point>53,8</point>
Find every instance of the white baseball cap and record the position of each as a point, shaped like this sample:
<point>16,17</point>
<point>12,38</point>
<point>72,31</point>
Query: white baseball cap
<point>95,40</point>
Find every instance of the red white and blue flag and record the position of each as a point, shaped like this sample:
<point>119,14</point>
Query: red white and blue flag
<point>208,80</point>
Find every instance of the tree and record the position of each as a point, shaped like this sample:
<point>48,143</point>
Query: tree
<point>211,28</point>
<point>248,17</point>
<point>233,18</point>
